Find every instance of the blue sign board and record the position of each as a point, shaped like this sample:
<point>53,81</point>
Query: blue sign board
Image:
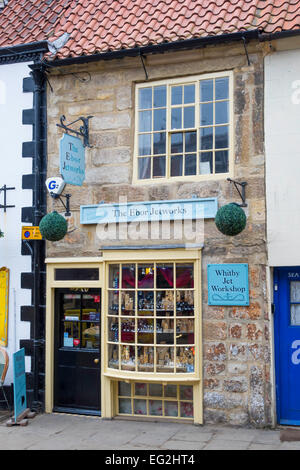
<point>227,284</point>
<point>20,403</point>
<point>72,160</point>
<point>147,211</point>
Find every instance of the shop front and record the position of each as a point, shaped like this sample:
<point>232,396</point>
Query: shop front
<point>124,334</point>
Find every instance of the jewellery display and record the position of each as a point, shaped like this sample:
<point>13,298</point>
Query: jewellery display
<point>152,324</point>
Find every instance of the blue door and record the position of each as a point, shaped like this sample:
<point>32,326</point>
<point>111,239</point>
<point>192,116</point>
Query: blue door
<point>287,344</point>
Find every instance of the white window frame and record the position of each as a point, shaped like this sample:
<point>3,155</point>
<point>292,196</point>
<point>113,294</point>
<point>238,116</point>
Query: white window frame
<point>169,131</point>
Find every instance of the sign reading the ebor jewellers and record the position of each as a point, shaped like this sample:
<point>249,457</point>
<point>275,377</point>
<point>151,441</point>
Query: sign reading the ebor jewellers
<point>72,160</point>
<point>149,211</point>
<point>227,284</point>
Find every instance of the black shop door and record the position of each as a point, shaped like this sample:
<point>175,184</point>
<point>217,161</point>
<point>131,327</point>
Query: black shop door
<point>77,351</point>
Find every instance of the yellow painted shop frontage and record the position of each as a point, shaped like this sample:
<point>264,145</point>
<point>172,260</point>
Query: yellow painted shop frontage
<point>123,334</point>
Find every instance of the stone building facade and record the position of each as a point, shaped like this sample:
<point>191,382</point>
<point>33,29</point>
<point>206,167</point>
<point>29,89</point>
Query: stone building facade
<point>236,340</point>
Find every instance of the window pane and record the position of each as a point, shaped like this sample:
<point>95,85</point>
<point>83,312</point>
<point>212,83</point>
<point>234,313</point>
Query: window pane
<point>145,359</point>
<point>140,389</point>
<point>221,110</point>
<point>146,301</point>
<point>295,291</point>
<point>177,143</point>
<point>125,406</point>
<point>145,121</point>
<point>140,407</point>
<point>206,90</point>
<point>145,331</point>
<point>171,391</point>
<point>176,97</point>
<point>186,410</point>
<point>171,408</point>
<point>176,118</point>
<point>206,138</point>
<point>184,303</point>
<point>221,137</point>
<point>159,167</point>
<point>190,141</point>
<point>155,390</point>
<point>145,144</point>
<point>113,303</point>
<point>221,162</point>
<point>128,330</point>
<point>145,276</point>
<point>76,274</point>
<point>165,359</point>
<point>206,163</point>
<point>113,329</point>
<point>176,165</point>
<point>128,276</point>
<point>189,94</point>
<point>113,356</point>
<point>128,303</point>
<point>159,143</point>
<point>190,166</point>
<point>144,168</point>
<point>160,96</point>
<point>145,98</point>
<point>222,89</point>
<point>159,123</point>
<point>186,392</point>
<point>185,359</point>
<point>164,276</point>
<point>295,314</point>
<point>189,117</point>
<point>124,389</point>
<point>114,275</point>
<point>165,303</point>
<point>206,114</point>
<point>155,408</point>
<point>127,357</point>
<point>184,275</point>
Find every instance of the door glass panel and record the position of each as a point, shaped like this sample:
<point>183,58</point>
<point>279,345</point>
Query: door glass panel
<point>295,291</point>
<point>295,314</point>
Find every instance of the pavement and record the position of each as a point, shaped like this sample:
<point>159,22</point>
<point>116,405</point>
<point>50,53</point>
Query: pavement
<point>57,431</point>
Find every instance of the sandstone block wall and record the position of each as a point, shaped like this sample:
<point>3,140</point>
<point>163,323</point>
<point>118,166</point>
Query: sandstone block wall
<point>236,347</point>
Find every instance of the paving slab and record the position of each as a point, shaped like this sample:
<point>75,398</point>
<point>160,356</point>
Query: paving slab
<point>69,432</point>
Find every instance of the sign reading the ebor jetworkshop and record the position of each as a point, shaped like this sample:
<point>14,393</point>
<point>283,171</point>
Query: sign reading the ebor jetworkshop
<point>72,160</point>
<point>148,211</point>
<point>20,403</point>
<point>228,284</point>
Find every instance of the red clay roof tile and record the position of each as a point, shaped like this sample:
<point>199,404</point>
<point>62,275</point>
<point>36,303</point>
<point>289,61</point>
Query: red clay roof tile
<point>97,26</point>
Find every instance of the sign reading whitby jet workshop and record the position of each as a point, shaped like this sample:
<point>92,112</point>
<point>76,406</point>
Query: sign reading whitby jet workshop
<point>72,160</point>
<point>227,284</point>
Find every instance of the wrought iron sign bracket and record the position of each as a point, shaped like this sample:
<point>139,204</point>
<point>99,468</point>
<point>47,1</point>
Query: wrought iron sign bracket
<point>4,189</point>
<point>83,130</point>
<point>242,193</point>
<point>67,205</point>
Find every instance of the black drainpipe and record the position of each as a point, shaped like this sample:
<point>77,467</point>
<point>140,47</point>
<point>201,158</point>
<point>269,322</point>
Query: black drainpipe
<point>38,255</point>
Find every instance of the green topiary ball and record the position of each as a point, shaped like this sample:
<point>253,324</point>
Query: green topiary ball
<point>53,226</point>
<point>231,219</point>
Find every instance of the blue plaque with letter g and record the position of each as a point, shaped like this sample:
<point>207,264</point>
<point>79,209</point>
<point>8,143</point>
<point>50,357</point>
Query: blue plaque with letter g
<point>227,284</point>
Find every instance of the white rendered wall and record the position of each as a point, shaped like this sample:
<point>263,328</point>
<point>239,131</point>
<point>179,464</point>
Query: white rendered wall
<point>13,166</point>
<point>282,147</point>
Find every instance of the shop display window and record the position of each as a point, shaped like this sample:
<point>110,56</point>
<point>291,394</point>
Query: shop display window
<point>151,317</point>
<point>155,399</point>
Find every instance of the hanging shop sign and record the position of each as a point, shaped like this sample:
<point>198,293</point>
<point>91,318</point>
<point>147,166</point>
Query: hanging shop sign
<point>20,403</point>
<point>228,284</point>
<point>31,233</point>
<point>4,299</point>
<point>149,211</point>
<point>72,160</point>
